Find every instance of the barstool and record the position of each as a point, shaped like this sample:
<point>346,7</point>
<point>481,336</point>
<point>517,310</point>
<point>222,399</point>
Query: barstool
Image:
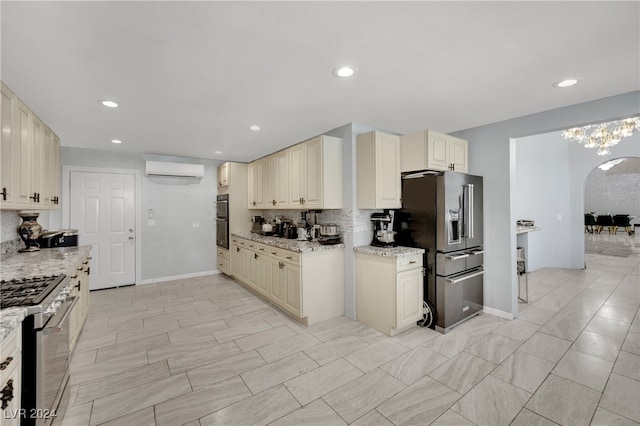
<point>521,265</point>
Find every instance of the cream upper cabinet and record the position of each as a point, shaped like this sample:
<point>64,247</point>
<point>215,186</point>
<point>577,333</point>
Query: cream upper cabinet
<point>378,171</point>
<point>30,158</point>
<point>323,173</point>
<point>297,175</point>
<point>257,184</point>
<point>431,150</point>
<point>271,184</point>
<point>389,291</point>
<point>282,200</point>
<point>223,175</point>
<point>9,151</point>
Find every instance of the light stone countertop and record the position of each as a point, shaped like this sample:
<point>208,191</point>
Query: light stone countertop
<point>10,318</point>
<point>287,244</point>
<point>389,251</point>
<point>53,261</point>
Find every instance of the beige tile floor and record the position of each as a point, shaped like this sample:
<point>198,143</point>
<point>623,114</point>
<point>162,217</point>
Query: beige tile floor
<point>205,351</point>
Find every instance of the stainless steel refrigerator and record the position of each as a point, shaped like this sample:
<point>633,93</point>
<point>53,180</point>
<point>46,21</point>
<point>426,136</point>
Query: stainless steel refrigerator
<point>442,213</point>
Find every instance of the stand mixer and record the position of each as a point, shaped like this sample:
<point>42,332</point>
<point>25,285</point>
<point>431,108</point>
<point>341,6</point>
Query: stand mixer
<point>383,233</point>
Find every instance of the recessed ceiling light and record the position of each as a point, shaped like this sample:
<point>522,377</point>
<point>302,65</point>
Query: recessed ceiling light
<point>217,152</point>
<point>344,71</point>
<point>255,128</point>
<point>566,83</point>
<point>109,103</point>
<point>116,141</point>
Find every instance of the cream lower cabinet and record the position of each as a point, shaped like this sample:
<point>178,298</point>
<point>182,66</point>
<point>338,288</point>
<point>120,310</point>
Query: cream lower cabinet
<point>80,284</point>
<point>224,260</point>
<point>389,291</point>
<point>308,286</point>
<point>11,377</point>
<point>429,150</point>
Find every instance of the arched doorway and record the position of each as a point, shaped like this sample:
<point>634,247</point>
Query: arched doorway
<point>612,200</point>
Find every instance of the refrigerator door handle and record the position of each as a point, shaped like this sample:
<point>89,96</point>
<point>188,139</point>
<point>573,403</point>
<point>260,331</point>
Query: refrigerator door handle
<point>466,277</point>
<point>457,257</point>
<point>467,200</point>
<point>475,252</point>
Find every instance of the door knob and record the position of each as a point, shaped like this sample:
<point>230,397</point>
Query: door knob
<point>130,229</point>
<point>131,238</point>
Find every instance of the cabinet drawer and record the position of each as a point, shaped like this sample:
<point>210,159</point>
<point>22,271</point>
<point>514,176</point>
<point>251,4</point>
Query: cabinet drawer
<point>290,256</point>
<point>223,253</point>
<point>409,262</point>
<point>224,266</point>
<point>10,354</point>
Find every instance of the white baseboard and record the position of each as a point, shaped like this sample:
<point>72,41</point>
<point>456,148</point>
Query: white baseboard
<point>178,277</point>
<point>497,313</point>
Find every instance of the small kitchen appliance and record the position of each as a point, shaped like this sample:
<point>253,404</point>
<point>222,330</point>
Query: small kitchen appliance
<point>50,239</point>
<point>383,233</point>
<point>329,234</point>
<point>256,224</point>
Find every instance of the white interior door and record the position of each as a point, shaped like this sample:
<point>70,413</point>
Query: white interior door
<point>102,208</point>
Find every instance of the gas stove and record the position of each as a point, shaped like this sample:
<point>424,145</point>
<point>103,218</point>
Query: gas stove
<point>40,295</point>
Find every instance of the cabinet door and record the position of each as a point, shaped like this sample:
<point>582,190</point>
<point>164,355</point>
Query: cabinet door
<point>313,198</point>
<point>387,171</point>
<point>408,297</point>
<point>292,289</point>
<point>236,261</point>
<point>54,171</point>
<point>277,272</point>
<point>254,270</point>
<point>245,264</point>
<point>39,167</point>
<point>25,164</point>
<point>223,175</point>
<point>437,151</point>
<point>264,285</point>
<point>74,317</point>
<point>260,183</point>
<point>282,201</point>
<point>297,175</point>
<point>11,384</point>
<point>458,154</point>
<point>251,185</point>
<point>9,150</point>
<point>271,172</point>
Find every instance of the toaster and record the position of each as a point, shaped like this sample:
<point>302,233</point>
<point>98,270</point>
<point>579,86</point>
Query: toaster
<point>50,239</point>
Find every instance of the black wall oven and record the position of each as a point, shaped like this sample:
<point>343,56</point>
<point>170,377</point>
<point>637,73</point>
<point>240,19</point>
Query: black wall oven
<point>222,220</point>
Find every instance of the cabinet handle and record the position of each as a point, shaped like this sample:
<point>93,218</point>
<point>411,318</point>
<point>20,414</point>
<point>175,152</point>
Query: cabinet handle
<point>7,394</point>
<point>255,255</point>
<point>412,262</point>
<point>73,277</point>
<point>6,363</point>
<point>80,268</point>
<point>274,202</point>
<point>250,245</point>
<point>288,257</point>
<point>237,249</point>
<point>34,197</point>
<point>4,193</point>
<point>273,252</point>
<point>261,248</point>
<point>280,265</point>
<point>254,203</point>
<point>77,286</point>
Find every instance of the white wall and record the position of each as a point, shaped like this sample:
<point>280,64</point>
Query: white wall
<point>613,193</point>
<point>491,152</point>
<point>173,247</point>
<point>549,173</point>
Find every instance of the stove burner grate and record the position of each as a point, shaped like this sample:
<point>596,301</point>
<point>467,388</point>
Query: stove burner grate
<point>27,291</point>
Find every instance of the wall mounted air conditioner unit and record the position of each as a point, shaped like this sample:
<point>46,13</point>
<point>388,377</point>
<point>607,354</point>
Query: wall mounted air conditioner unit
<point>159,168</point>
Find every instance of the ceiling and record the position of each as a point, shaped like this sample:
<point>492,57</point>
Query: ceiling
<point>191,77</point>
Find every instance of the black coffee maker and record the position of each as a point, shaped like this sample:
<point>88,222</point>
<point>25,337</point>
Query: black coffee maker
<point>383,233</point>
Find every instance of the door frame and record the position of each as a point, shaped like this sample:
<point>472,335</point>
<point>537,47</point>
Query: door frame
<point>66,202</point>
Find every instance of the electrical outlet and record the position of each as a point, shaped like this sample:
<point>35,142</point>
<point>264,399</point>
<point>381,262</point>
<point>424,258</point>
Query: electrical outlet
<point>151,222</point>
<point>196,225</point>
<point>558,217</point>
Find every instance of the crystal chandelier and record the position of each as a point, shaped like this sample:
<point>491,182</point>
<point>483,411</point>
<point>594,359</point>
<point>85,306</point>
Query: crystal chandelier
<point>603,135</point>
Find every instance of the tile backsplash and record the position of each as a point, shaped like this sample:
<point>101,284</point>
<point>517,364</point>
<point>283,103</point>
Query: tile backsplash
<point>10,243</point>
<point>348,220</point>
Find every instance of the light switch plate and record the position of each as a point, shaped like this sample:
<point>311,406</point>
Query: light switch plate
<point>196,225</point>
<point>151,222</point>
